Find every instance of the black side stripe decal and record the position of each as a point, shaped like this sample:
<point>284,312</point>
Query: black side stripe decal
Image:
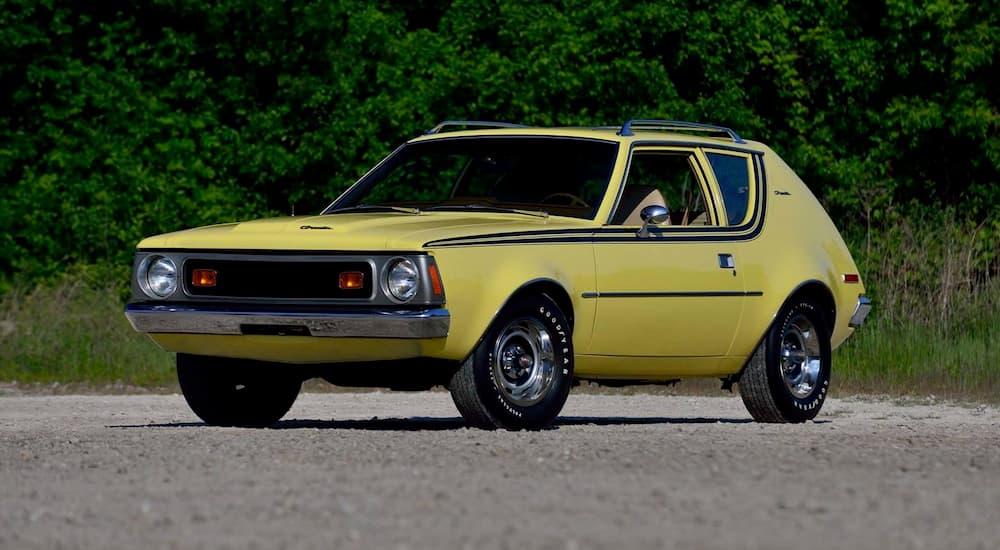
<point>690,294</point>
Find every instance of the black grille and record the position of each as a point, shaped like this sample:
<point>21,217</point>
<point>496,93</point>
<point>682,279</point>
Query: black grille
<point>278,279</point>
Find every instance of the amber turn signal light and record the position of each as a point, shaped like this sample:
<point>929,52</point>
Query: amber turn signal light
<point>204,277</point>
<point>432,270</point>
<point>352,279</point>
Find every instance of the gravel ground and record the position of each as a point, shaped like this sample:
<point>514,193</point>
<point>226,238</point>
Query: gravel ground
<point>396,470</point>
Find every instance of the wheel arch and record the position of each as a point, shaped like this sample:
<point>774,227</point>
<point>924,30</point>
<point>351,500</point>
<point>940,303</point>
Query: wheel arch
<point>812,290</point>
<point>547,286</point>
<point>817,292</point>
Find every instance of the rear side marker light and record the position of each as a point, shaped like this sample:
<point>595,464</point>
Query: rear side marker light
<point>204,277</point>
<point>432,270</point>
<point>852,278</point>
<point>350,280</point>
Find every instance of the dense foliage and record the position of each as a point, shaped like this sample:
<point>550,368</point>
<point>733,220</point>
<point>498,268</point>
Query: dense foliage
<point>120,119</point>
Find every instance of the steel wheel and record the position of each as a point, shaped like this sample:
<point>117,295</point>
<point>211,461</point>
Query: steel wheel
<point>800,357</point>
<point>523,362</point>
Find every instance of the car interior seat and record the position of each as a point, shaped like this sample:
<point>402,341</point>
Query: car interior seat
<point>634,199</point>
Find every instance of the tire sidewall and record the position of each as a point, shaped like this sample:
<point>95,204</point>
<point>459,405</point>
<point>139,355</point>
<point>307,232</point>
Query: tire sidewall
<point>791,407</point>
<point>207,384</point>
<point>509,414</point>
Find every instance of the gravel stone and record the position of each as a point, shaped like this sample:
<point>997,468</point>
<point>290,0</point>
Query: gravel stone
<point>400,470</point>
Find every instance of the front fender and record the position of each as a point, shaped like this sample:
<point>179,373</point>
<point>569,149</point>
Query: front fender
<point>479,281</point>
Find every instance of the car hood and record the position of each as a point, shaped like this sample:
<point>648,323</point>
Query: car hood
<point>355,232</point>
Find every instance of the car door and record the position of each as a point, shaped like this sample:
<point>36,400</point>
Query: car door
<point>677,292</point>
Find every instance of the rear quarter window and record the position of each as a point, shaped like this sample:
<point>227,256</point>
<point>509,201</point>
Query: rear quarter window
<point>733,174</point>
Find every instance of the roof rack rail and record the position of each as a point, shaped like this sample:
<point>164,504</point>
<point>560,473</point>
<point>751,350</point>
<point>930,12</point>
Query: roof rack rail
<point>626,129</point>
<point>477,123</point>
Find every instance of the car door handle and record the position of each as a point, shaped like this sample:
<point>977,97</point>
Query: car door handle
<point>726,261</point>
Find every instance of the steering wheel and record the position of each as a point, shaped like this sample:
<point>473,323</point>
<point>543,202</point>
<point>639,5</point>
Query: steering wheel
<point>573,199</point>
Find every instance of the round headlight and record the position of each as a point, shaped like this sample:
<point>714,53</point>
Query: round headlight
<point>158,276</point>
<point>402,279</point>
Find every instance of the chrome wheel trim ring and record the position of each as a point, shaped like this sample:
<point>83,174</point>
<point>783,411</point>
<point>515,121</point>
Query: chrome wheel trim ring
<point>523,365</point>
<point>801,359</point>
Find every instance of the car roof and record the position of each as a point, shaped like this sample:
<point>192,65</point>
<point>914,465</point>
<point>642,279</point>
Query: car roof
<point>631,131</point>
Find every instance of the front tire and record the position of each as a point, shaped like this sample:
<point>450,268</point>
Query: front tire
<point>788,377</point>
<point>235,392</point>
<point>519,376</point>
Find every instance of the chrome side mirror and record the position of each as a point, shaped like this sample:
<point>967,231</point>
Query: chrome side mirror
<point>651,215</point>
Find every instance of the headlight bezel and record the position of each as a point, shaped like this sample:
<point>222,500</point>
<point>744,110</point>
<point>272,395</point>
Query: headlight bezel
<point>387,279</point>
<point>143,272</point>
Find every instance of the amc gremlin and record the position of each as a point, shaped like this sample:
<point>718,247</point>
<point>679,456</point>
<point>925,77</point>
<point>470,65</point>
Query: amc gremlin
<point>508,263</point>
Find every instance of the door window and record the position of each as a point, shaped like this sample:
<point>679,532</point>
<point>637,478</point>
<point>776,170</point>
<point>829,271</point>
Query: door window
<point>668,179</point>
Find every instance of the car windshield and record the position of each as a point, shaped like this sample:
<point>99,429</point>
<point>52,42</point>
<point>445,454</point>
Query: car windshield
<point>559,176</point>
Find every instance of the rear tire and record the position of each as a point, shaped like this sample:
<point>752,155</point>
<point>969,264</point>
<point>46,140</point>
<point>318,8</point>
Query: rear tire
<point>788,376</point>
<point>519,376</point>
<point>236,392</point>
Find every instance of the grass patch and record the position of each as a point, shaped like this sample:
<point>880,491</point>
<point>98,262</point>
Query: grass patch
<point>915,360</point>
<point>70,333</point>
<point>936,321</point>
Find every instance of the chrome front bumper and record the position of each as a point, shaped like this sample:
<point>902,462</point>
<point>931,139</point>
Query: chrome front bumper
<point>860,311</point>
<point>424,323</point>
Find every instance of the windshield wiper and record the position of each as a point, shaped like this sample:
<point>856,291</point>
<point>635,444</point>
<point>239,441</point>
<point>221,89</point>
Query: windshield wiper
<point>375,208</point>
<point>489,208</point>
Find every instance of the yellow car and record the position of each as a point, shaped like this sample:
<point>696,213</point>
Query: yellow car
<point>506,263</point>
